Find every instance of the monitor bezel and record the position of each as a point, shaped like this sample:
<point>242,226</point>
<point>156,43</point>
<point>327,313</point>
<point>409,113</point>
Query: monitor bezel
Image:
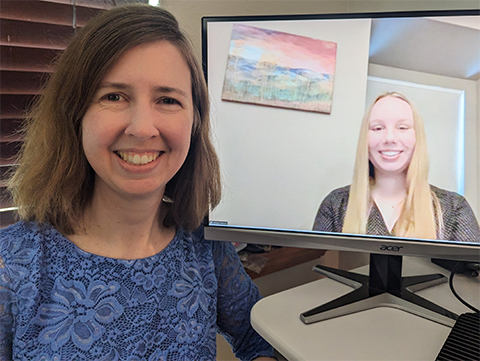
<point>461,251</point>
<point>332,16</point>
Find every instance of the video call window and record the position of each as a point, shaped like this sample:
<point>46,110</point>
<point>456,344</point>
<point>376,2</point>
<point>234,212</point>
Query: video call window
<point>279,163</point>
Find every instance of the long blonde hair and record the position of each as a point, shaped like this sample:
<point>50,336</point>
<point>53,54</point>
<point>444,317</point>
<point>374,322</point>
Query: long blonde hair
<point>421,213</point>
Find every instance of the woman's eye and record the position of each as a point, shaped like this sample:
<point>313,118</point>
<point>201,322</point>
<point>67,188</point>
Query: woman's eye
<point>169,101</point>
<point>113,97</point>
<point>114,101</point>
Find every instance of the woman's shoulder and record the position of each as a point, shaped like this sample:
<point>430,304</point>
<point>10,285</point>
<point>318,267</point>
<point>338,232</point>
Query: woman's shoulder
<point>446,196</point>
<point>195,240</point>
<point>206,249</point>
<point>19,232</point>
<point>452,202</point>
<point>195,237</point>
<point>22,238</point>
<point>29,230</point>
<point>345,190</point>
<point>19,250</point>
<point>338,194</point>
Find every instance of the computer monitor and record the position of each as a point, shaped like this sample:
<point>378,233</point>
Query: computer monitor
<point>288,94</point>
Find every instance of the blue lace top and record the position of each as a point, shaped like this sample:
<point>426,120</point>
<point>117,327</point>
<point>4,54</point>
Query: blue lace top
<point>58,302</point>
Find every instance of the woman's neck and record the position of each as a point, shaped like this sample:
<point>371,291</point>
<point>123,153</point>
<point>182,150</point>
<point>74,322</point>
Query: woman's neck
<point>124,229</point>
<point>389,193</point>
<point>391,187</point>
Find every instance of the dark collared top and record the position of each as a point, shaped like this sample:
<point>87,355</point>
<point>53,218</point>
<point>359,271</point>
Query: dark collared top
<point>459,222</point>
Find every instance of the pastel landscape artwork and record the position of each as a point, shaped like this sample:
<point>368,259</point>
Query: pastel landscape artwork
<point>279,69</point>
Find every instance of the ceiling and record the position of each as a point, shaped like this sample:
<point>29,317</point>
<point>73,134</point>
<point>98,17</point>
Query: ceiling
<point>441,46</point>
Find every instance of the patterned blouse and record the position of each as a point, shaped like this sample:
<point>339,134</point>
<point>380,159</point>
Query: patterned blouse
<point>459,222</point>
<point>58,302</point>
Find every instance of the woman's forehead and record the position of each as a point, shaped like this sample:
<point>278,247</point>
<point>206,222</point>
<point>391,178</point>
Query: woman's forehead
<point>391,108</point>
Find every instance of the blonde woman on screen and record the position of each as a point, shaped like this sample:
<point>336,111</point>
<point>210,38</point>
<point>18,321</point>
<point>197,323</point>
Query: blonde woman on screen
<point>390,193</point>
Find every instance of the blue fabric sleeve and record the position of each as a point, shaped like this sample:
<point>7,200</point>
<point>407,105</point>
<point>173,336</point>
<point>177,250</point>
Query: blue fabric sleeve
<point>6,319</point>
<point>236,296</point>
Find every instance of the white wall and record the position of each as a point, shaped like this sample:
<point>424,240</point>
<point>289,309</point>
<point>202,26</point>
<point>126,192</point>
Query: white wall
<point>278,164</point>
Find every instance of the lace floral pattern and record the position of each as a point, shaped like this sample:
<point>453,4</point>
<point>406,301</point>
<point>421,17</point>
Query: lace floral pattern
<point>58,302</point>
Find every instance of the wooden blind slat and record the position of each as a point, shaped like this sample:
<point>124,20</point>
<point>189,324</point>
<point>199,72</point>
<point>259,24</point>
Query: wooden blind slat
<point>6,218</point>
<point>9,129</point>
<point>21,82</point>
<point>50,13</point>
<point>38,11</point>
<point>94,4</point>
<point>6,163</point>
<point>27,59</point>
<point>14,105</point>
<point>3,171</point>
<point>5,199</point>
<point>8,150</point>
<point>34,35</point>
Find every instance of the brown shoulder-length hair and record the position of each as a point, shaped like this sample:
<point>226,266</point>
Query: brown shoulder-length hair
<point>54,181</point>
<point>421,215</point>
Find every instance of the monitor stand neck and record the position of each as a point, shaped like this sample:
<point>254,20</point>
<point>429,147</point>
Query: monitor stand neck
<point>383,287</point>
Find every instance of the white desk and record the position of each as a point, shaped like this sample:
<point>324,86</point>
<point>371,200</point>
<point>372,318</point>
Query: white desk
<point>379,334</point>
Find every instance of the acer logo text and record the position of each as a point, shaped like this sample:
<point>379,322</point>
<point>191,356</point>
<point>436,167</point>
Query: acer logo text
<point>390,248</point>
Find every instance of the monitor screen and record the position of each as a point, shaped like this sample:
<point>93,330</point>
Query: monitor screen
<point>351,132</point>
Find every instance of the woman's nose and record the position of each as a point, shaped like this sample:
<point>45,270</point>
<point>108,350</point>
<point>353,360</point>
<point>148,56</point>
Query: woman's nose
<point>390,136</point>
<point>143,122</point>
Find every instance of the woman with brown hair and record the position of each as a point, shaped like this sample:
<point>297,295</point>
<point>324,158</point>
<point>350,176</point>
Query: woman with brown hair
<point>115,177</point>
<point>390,193</point>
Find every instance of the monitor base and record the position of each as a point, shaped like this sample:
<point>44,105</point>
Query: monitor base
<point>383,287</point>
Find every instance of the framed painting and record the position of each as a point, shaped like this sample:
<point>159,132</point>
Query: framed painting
<point>278,69</point>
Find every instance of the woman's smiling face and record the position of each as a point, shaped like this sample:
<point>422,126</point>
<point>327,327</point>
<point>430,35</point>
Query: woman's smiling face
<point>391,135</point>
<point>136,132</point>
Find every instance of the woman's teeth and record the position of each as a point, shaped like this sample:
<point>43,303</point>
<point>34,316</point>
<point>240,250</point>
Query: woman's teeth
<point>390,153</point>
<point>137,159</point>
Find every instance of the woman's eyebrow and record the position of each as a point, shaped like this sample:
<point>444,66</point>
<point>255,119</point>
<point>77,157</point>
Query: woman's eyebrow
<point>168,89</point>
<point>114,85</point>
<point>158,89</point>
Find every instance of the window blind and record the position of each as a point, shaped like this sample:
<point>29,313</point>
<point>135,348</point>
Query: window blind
<point>32,34</point>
